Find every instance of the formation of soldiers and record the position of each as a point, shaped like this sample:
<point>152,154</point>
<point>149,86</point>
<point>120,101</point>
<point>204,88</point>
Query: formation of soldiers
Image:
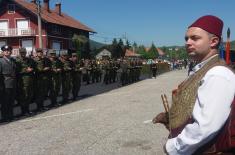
<point>35,78</point>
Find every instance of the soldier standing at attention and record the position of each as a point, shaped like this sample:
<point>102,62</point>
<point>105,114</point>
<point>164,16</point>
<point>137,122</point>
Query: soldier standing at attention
<point>8,72</point>
<point>25,73</point>
<point>66,77</point>
<point>42,79</point>
<point>76,76</point>
<point>56,71</point>
<point>153,67</point>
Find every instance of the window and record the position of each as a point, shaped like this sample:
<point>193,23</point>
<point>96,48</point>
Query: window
<point>22,26</point>
<point>28,44</point>
<point>56,46</point>
<point>56,29</point>
<point>11,8</point>
<point>3,28</point>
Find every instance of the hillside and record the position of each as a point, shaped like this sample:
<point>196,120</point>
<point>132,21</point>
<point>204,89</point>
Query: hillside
<point>96,45</point>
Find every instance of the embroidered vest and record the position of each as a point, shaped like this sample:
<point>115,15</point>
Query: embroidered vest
<point>183,100</point>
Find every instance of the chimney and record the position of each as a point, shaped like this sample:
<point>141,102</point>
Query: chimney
<point>58,8</point>
<point>46,5</point>
<point>33,1</point>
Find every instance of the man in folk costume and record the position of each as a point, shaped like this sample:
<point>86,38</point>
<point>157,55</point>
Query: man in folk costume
<point>201,118</point>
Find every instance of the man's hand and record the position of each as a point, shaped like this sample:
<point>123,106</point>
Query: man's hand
<point>162,118</point>
<point>29,69</point>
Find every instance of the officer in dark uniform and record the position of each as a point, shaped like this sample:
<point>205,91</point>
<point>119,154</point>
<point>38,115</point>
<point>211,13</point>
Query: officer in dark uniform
<point>8,72</point>
<point>25,73</point>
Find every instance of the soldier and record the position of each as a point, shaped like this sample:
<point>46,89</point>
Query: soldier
<point>106,68</point>
<point>76,75</point>
<point>25,73</point>
<point>42,79</point>
<point>88,71</point>
<point>99,70</point>
<point>153,67</point>
<point>139,68</point>
<point>93,70</point>
<point>124,72</point>
<point>8,72</point>
<point>56,70</point>
<point>66,77</point>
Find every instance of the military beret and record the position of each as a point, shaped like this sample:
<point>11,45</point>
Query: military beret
<point>22,50</point>
<point>6,48</point>
<point>39,50</point>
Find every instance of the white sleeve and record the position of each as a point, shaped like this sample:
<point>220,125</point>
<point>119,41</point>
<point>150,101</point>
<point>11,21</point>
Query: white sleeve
<point>211,110</point>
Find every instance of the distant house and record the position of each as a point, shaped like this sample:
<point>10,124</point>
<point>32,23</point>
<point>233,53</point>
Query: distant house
<point>131,54</point>
<point>19,26</point>
<point>160,52</point>
<point>103,54</point>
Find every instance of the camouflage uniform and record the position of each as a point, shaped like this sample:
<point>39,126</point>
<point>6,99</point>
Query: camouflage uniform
<point>153,67</point>
<point>43,67</point>
<point>55,85</point>
<point>25,73</point>
<point>124,74</point>
<point>66,77</point>
<point>106,68</point>
<point>76,76</point>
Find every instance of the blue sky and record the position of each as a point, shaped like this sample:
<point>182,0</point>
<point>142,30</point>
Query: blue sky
<point>162,22</point>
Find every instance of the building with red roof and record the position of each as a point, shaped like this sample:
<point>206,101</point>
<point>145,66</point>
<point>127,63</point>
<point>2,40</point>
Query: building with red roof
<point>19,26</point>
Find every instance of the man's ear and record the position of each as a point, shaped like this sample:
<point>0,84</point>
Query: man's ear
<point>214,42</point>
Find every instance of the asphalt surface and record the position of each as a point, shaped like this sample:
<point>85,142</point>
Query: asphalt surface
<point>105,120</point>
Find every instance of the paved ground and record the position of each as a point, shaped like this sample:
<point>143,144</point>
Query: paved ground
<point>114,122</point>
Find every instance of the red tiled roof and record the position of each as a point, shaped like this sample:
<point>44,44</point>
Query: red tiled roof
<point>160,52</point>
<point>130,53</point>
<point>53,17</point>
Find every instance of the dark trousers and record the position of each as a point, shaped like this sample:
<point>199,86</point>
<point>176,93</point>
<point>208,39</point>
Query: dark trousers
<point>8,104</point>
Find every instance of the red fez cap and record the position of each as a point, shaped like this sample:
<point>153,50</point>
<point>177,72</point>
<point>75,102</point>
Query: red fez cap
<point>209,23</point>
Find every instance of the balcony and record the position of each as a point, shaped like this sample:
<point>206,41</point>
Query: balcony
<point>17,32</point>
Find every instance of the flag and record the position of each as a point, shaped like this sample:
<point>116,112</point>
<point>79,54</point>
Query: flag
<point>228,47</point>
<point>221,49</point>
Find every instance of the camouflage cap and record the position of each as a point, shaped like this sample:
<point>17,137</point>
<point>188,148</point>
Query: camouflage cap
<point>64,54</point>
<point>39,50</point>
<point>6,48</point>
<point>22,50</point>
<point>51,52</point>
<point>74,54</point>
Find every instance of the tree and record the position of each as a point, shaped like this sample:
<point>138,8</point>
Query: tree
<point>141,50</point>
<point>128,46</point>
<point>82,46</point>
<point>135,46</point>
<point>152,52</point>
<point>117,48</point>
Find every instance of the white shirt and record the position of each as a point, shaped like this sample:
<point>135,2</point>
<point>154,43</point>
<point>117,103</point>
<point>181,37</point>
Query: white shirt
<point>210,112</point>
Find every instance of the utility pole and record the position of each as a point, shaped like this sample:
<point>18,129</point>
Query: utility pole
<point>39,23</point>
